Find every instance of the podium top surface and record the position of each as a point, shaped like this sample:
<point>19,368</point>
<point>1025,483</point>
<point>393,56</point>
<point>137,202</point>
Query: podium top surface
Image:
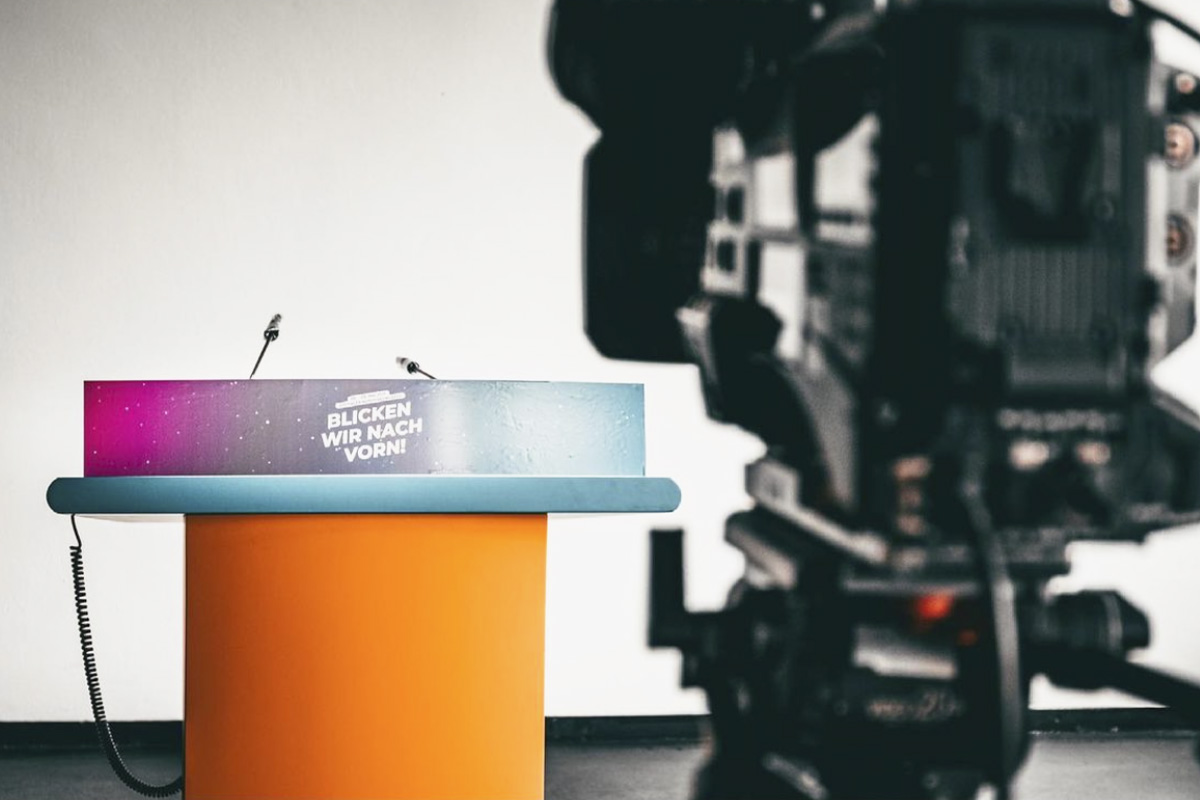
<point>361,494</point>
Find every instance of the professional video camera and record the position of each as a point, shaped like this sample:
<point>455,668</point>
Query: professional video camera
<point>928,251</point>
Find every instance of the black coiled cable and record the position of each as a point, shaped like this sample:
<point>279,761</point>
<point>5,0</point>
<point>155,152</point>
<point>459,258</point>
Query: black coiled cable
<point>103,731</point>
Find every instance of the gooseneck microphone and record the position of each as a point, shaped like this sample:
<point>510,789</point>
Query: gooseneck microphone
<point>412,367</point>
<point>270,335</point>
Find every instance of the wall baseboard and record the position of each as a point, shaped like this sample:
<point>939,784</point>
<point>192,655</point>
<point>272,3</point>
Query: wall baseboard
<point>17,736</point>
<point>598,730</point>
<point>681,729</point>
<point>1119,721</point>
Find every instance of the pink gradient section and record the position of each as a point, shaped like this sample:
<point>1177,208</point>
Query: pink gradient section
<point>161,427</point>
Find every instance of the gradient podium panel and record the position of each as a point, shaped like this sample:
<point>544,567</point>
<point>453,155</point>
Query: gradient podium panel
<point>375,636</point>
<point>361,427</point>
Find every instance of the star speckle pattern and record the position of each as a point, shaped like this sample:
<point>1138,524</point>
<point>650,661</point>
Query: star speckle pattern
<point>457,427</point>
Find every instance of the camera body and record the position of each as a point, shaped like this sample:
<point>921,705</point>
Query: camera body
<point>929,251</point>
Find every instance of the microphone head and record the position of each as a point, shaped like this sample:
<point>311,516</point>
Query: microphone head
<point>408,365</point>
<point>272,331</point>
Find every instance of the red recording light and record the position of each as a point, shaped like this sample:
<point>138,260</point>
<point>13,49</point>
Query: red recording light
<point>930,608</point>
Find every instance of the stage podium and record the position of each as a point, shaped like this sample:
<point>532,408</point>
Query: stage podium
<point>364,633</point>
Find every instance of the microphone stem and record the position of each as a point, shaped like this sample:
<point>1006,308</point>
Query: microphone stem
<point>261,353</point>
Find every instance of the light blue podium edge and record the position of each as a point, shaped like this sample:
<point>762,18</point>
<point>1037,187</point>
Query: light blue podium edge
<point>361,494</point>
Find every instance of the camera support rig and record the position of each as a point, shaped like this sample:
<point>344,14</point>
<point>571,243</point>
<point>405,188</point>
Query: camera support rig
<point>830,677</point>
<point>929,252</point>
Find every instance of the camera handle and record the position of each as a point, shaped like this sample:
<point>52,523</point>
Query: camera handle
<point>1095,670</point>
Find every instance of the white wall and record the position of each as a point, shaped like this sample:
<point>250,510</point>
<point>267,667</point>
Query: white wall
<point>396,178</point>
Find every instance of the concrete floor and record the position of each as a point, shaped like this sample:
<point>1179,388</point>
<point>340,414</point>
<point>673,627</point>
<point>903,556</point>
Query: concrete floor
<point>1061,767</point>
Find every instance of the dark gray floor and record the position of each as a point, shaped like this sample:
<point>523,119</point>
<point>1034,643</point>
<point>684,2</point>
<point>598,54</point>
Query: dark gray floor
<point>1060,768</point>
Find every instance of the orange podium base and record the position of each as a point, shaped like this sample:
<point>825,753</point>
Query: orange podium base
<point>380,656</point>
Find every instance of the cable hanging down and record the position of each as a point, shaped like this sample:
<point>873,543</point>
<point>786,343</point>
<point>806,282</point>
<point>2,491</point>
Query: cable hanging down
<point>103,730</point>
